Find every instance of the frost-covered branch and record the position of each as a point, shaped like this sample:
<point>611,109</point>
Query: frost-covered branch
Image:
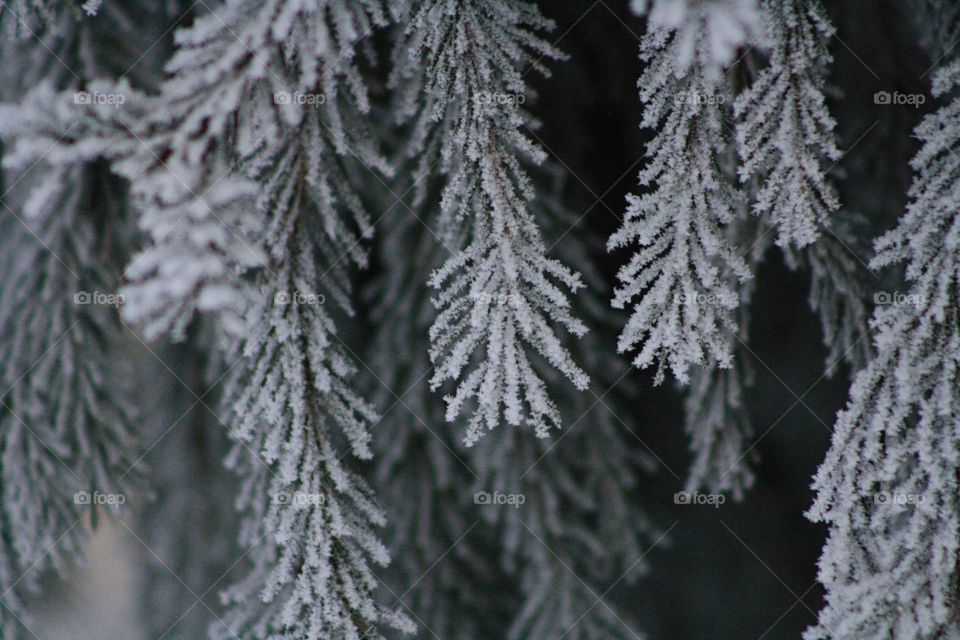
<point>684,263</point>
<point>500,297</point>
<point>309,519</point>
<point>784,130</point>
<point>888,486</point>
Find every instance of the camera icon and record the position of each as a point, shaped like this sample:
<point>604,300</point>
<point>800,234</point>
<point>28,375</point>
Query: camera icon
<point>282,97</point>
<point>881,498</point>
<point>82,297</point>
<point>882,97</point>
<point>481,497</point>
<point>81,97</point>
<point>81,497</point>
<point>882,297</point>
<point>281,297</point>
<point>282,498</point>
<point>682,497</point>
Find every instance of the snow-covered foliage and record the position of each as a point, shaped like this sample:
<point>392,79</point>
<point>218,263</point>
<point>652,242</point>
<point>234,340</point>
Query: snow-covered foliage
<point>784,131</point>
<point>709,32</point>
<point>684,263</point>
<point>500,296</point>
<point>446,555</point>
<point>888,486</point>
<point>719,426</point>
<point>281,54</point>
<point>191,259</point>
<point>308,517</point>
<point>682,283</point>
